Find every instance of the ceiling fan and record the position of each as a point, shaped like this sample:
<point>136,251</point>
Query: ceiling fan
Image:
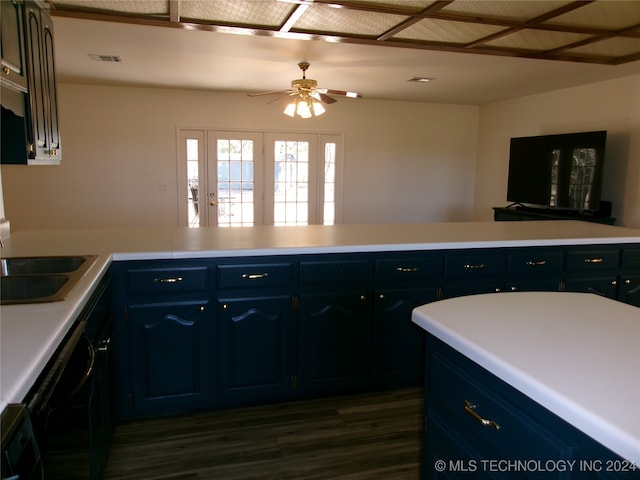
<point>307,97</point>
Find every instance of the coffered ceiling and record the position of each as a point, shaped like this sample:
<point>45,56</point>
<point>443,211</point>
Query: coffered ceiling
<point>477,51</point>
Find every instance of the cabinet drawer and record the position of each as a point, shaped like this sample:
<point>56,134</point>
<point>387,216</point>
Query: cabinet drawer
<point>160,280</point>
<point>468,397</point>
<point>408,269</point>
<point>592,260</point>
<point>531,263</point>
<point>631,258</point>
<point>256,275</point>
<point>335,273</point>
<point>473,266</point>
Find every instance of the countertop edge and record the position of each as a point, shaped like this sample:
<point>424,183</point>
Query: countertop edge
<point>573,413</point>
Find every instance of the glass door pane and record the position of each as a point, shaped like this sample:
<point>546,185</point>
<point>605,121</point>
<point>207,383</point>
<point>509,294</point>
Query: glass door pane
<point>193,183</point>
<point>234,190</point>
<point>329,198</point>
<point>291,183</point>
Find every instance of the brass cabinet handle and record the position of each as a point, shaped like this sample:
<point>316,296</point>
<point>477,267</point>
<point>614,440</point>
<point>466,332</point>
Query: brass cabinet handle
<point>168,280</point>
<point>469,266</point>
<point>593,260</point>
<point>254,276</point>
<point>407,269</point>
<point>536,263</point>
<point>6,70</point>
<point>470,409</point>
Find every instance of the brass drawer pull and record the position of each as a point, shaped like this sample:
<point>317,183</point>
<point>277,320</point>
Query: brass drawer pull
<point>537,263</point>
<point>407,269</point>
<point>470,409</point>
<point>593,260</point>
<point>168,280</point>
<point>254,276</point>
<point>469,266</point>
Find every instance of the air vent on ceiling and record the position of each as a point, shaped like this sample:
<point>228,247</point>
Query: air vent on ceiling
<point>105,58</point>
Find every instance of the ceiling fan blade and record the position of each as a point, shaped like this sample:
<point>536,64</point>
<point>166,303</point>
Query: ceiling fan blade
<point>326,98</point>
<point>286,93</point>
<point>267,93</point>
<point>342,93</point>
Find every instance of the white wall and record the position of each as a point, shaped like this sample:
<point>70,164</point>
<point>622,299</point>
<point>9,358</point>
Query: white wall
<point>612,105</point>
<point>404,162</point>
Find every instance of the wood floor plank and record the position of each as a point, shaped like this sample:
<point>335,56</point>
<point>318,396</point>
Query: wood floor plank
<point>360,437</point>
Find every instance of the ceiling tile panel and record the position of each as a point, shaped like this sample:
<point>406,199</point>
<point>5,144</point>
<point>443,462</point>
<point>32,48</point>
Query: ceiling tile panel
<point>351,22</point>
<point>514,10</point>
<point>536,40</point>
<point>243,12</point>
<point>143,7</point>
<point>445,31</point>
<point>610,14</point>
<point>416,5</point>
<point>612,47</point>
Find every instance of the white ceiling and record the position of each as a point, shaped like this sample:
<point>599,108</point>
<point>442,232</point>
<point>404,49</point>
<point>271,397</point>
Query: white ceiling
<point>197,59</point>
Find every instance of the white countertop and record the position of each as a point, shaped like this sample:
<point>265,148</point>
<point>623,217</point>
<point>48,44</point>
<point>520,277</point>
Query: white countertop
<point>576,354</point>
<point>29,334</point>
<point>155,243</point>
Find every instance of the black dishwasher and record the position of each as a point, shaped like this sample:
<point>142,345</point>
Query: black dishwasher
<point>73,417</point>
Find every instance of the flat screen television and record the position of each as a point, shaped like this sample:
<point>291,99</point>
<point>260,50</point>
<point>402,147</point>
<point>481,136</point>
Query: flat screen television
<point>557,171</point>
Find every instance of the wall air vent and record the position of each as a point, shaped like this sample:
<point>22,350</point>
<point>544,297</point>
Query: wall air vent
<point>105,58</point>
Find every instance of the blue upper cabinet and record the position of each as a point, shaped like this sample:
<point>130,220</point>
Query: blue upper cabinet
<point>14,72</point>
<point>43,129</point>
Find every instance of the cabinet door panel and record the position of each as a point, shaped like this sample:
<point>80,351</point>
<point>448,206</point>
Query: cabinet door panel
<point>630,289</point>
<point>450,291</point>
<point>398,343</point>
<point>605,286</point>
<point>335,331</point>
<point>170,355</point>
<point>13,71</point>
<point>256,348</point>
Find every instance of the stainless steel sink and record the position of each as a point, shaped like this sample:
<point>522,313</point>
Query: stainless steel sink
<point>40,279</point>
<point>40,265</point>
<point>31,288</point>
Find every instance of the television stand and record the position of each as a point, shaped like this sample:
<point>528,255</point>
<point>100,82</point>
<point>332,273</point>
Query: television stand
<point>516,213</point>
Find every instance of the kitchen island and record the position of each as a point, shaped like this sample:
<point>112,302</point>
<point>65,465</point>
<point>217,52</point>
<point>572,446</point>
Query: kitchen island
<point>30,333</point>
<point>499,363</point>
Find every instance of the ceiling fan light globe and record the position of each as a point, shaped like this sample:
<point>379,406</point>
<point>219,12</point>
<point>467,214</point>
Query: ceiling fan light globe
<point>303,110</point>
<point>318,109</point>
<point>290,109</point>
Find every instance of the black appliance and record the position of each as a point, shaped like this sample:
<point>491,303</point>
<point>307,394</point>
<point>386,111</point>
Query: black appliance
<point>71,407</point>
<point>561,171</point>
<point>21,458</point>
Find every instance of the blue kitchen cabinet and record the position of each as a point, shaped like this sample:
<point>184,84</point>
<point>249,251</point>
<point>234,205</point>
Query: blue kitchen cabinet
<point>478,426</point>
<point>403,281</point>
<point>170,360</point>
<point>335,335</point>
<point>534,269</point>
<point>593,270</point>
<point>629,290</point>
<point>43,128</point>
<point>469,272</point>
<point>166,338</point>
<point>335,324</point>
<point>256,329</point>
<point>258,349</point>
<point>398,344</point>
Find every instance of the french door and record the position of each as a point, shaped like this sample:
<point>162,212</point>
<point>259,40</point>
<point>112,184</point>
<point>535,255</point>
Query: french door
<point>234,178</point>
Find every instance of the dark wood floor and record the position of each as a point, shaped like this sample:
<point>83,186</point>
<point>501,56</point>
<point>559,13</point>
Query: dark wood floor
<point>362,437</point>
